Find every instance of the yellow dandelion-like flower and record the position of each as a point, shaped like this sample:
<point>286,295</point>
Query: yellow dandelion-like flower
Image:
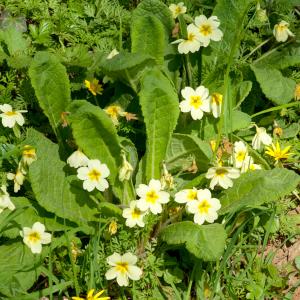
<point>90,296</point>
<point>277,153</point>
<point>94,86</point>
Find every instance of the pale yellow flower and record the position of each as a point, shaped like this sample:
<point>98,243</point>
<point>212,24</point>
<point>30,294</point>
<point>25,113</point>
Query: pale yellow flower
<point>114,112</point>
<point>297,92</point>
<point>28,155</point>
<point>282,32</point>
<point>177,9</point>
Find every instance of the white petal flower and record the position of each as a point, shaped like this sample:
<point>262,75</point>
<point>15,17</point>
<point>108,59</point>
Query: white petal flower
<point>113,53</point>
<point>10,117</point>
<point>5,201</point>
<point>177,9</point>
<point>205,208</point>
<point>249,165</point>
<point>240,154</point>
<point>123,268</point>
<point>282,32</point>
<point>77,159</point>
<point>94,175</point>
<point>216,100</point>
<point>185,196</point>
<point>196,101</point>
<point>36,236</point>
<point>208,29</point>
<point>18,179</point>
<point>192,43</point>
<point>133,215</point>
<point>261,138</point>
<point>222,176</point>
<point>152,197</point>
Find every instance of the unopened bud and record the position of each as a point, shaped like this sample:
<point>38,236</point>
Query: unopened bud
<point>126,169</point>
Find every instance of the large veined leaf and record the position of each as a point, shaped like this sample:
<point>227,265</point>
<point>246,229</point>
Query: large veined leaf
<point>258,187</point>
<point>148,37</point>
<point>127,67</point>
<point>274,85</point>
<point>55,191</point>
<point>240,120</point>
<point>183,148</point>
<point>206,242</point>
<point>156,9</point>
<point>51,84</point>
<point>17,271</point>
<point>159,103</point>
<point>96,135</point>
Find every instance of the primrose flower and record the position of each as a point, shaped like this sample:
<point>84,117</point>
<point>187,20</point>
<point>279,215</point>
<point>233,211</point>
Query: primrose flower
<point>208,29</point>
<point>195,101</point>
<point>28,155</point>
<point>186,196</point>
<point>191,44</point>
<point>222,176</point>
<point>94,86</point>
<point>152,197</point>
<point>133,215</point>
<point>216,100</point>
<point>276,152</point>
<point>123,268</point>
<point>261,137</point>
<point>113,227</point>
<point>249,165</point>
<point>204,208</point>
<point>177,9</point>
<point>281,31</point>
<point>94,175</point>
<point>114,112</point>
<point>240,154</point>
<point>112,54</point>
<point>10,117</point>
<point>5,201</point>
<point>126,169</point>
<point>91,296</point>
<point>297,92</point>
<point>36,236</point>
<point>77,159</point>
<point>18,179</point>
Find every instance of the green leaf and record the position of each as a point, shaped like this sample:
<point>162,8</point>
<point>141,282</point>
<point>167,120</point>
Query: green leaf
<point>96,135</point>
<point>51,84</point>
<point>127,67</point>
<point>240,120</point>
<point>183,148</point>
<point>275,86</point>
<point>14,41</point>
<point>155,8</point>
<point>255,188</point>
<point>206,242</point>
<point>160,108</point>
<point>147,36</point>
<point>55,191</point>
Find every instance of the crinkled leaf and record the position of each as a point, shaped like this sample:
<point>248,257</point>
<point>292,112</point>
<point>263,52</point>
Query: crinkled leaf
<point>206,242</point>
<point>274,85</point>
<point>55,191</point>
<point>148,37</point>
<point>258,187</point>
<point>183,148</point>
<point>51,84</point>
<point>160,108</point>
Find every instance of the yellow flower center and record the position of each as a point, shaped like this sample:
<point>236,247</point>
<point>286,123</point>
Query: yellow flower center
<point>281,27</point>
<point>217,98</point>
<point>252,167</point>
<point>297,92</point>
<point>34,237</point>
<point>203,207</point>
<point>136,213</point>
<point>113,110</point>
<point>221,172</point>
<point>178,10</point>
<point>191,37</point>
<point>192,195</point>
<point>29,153</point>
<point>240,156</point>
<point>205,29</point>
<point>122,267</point>
<point>10,113</point>
<point>94,175</point>
<point>195,101</point>
<point>151,197</point>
